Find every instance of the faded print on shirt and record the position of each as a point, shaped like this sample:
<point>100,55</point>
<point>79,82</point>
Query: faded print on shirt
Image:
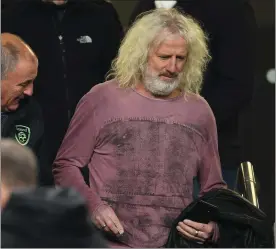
<point>153,166</point>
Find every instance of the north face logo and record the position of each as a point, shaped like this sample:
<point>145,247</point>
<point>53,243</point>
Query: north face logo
<point>22,134</point>
<point>85,39</point>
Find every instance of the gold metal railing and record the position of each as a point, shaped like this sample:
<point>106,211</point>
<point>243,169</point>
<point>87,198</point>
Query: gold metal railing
<point>246,183</point>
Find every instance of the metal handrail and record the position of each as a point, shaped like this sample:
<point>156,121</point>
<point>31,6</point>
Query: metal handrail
<point>246,183</point>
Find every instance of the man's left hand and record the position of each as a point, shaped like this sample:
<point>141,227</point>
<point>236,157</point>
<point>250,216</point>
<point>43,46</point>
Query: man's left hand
<point>196,231</point>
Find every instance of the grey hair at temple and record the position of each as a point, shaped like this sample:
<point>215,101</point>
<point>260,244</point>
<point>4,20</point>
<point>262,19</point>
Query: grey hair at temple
<point>9,59</point>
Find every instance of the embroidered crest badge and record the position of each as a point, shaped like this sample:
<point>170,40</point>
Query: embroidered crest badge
<point>22,134</point>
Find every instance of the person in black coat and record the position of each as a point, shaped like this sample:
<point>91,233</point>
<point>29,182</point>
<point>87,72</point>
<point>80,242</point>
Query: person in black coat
<point>229,79</point>
<point>75,41</point>
<point>21,116</point>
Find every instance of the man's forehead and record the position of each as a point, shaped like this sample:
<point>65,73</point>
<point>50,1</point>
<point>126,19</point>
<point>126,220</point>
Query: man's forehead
<point>26,65</point>
<point>170,43</point>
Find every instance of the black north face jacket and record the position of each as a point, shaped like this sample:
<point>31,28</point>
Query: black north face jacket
<point>240,223</point>
<point>75,44</point>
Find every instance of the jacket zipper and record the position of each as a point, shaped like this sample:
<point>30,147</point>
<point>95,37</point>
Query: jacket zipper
<point>63,51</point>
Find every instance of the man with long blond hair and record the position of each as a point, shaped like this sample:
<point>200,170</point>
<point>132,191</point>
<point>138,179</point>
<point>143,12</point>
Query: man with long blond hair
<point>145,135</point>
<point>228,81</point>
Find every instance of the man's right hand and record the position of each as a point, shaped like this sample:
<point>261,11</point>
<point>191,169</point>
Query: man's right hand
<point>105,219</point>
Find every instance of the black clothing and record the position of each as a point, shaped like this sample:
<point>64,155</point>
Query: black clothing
<point>241,224</point>
<point>48,218</point>
<point>74,49</point>
<point>25,125</point>
<point>229,79</point>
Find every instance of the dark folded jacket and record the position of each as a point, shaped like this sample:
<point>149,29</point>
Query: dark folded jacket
<point>240,223</point>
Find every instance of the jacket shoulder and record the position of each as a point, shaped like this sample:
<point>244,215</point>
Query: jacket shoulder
<point>19,7</point>
<point>32,108</point>
<point>104,8</point>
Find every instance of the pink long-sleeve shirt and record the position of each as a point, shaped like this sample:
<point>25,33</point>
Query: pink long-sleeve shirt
<point>142,154</point>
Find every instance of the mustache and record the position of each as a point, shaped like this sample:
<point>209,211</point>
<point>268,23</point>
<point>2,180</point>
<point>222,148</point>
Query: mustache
<point>165,73</point>
<point>169,75</point>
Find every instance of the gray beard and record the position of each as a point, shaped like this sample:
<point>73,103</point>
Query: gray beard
<point>158,87</point>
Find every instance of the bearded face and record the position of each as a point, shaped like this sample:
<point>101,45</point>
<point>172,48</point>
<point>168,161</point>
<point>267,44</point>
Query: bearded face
<point>165,64</point>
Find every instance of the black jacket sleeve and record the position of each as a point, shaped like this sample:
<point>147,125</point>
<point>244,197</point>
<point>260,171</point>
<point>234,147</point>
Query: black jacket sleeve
<point>233,61</point>
<point>113,35</point>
